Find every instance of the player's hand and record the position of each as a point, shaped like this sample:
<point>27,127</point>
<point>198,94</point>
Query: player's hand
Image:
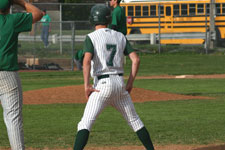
<point>88,90</point>
<point>129,87</point>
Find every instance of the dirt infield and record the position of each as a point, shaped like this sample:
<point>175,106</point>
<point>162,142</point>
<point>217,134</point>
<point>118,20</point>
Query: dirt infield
<point>75,94</point>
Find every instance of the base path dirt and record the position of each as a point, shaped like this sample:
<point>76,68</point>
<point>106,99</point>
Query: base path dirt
<point>75,94</point>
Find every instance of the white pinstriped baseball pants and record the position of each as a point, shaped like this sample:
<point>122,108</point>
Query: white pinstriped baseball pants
<point>11,100</point>
<point>112,92</point>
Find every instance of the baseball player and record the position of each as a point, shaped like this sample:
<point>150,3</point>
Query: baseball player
<point>10,87</point>
<point>119,22</point>
<point>78,59</point>
<point>104,51</point>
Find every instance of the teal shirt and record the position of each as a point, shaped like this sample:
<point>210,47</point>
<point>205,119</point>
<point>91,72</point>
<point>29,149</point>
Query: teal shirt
<point>45,20</point>
<point>119,20</point>
<point>10,27</point>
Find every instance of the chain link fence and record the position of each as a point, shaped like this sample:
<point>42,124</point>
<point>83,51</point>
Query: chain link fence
<point>68,21</point>
<point>68,27</point>
<point>57,54</point>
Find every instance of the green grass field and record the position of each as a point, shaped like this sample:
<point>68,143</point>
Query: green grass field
<point>187,122</point>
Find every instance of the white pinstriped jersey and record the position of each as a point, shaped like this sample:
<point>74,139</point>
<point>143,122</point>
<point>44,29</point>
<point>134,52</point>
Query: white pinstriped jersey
<point>108,52</point>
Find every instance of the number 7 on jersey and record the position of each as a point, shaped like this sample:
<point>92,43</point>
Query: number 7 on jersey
<point>112,49</point>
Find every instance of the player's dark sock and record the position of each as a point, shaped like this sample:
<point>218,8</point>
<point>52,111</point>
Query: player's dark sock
<point>144,136</point>
<point>81,139</point>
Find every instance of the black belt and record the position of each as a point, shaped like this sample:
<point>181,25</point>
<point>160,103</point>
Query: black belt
<point>107,75</point>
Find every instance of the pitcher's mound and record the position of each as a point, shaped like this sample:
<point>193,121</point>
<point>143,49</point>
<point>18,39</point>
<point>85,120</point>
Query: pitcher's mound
<point>75,94</point>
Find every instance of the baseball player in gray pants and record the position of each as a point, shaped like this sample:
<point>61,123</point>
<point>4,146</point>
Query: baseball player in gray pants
<point>10,87</point>
<point>104,51</point>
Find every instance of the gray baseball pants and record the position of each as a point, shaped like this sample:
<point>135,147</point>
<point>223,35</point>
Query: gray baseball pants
<point>11,100</point>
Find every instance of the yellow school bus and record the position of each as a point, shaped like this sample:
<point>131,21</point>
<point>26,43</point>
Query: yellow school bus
<point>176,16</point>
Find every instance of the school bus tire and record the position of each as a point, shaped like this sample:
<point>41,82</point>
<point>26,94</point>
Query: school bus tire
<point>135,31</point>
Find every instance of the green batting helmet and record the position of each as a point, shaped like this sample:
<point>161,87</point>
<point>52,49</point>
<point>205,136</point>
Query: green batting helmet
<point>100,15</point>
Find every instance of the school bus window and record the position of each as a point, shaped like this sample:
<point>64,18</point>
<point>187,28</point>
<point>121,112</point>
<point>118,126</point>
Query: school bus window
<point>137,10</point>
<point>153,10</point>
<point>192,9</point>
<point>168,11</point>
<point>145,10</point>
<point>207,8</point>
<point>218,9</point>
<point>184,9</point>
<point>200,8</point>
<point>130,11</point>
<point>176,10</point>
<point>223,8</point>
<point>161,10</point>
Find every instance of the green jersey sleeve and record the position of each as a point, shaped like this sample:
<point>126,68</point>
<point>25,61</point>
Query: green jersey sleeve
<point>128,48</point>
<point>23,22</point>
<point>88,46</point>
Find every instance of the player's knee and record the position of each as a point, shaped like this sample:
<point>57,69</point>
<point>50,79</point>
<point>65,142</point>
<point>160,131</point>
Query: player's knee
<point>136,124</point>
<point>84,125</point>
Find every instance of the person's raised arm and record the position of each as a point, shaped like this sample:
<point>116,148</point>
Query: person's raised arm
<point>37,14</point>
<point>134,69</point>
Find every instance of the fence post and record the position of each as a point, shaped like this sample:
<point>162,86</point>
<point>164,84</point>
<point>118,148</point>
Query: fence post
<point>206,31</point>
<point>212,23</point>
<point>73,46</point>
<point>60,19</point>
<point>34,40</point>
<point>152,38</point>
<point>159,29</point>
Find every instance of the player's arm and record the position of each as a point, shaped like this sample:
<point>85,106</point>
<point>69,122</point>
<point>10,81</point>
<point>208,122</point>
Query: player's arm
<point>88,54</point>
<point>134,69</point>
<point>37,14</point>
<point>50,26</point>
<point>86,73</point>
<point>87,69</point>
